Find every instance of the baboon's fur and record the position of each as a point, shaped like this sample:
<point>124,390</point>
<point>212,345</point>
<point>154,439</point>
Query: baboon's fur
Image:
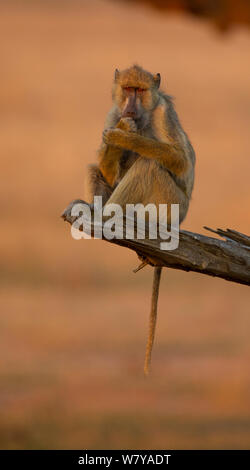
<point>146,160</point>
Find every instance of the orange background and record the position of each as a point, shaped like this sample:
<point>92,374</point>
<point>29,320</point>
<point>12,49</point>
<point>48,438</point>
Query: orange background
<point>73,315</point>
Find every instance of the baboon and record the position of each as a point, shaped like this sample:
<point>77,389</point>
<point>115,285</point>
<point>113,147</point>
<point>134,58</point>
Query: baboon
<point>145,156</point>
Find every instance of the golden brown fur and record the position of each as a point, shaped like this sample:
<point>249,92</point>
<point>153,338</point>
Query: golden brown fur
<point>145,157</point>
<point>159,151</point>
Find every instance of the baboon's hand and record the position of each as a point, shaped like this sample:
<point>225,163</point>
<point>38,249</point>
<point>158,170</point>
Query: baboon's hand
<point>123,139</point>
<point>127,124</point>
<point>112,136</point>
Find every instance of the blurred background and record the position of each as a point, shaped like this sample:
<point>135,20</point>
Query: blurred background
<point>74,317</point>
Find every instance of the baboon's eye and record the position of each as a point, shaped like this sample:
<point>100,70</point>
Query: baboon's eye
<point>140,90</point>
<point>128,88</point>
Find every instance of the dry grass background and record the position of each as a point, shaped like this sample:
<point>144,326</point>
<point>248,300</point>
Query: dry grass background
<point>73,315</point>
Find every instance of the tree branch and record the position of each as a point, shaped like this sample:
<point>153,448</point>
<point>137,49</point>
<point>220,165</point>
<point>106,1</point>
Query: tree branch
<point>228,259</point>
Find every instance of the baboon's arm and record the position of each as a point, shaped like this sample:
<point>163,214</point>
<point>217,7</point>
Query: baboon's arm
<point>109,157</point>
<point>171,156</point>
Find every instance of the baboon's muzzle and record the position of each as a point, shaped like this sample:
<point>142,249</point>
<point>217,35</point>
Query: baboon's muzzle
<point>130,109</point>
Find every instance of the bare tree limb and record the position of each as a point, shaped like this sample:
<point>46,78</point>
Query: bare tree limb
<point>228,259</point>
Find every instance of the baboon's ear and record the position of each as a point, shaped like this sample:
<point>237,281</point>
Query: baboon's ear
<point>157,79</point>
<point>117,75</point>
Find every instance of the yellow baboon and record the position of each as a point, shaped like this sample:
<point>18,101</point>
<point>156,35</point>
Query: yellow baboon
<point>145,157</point>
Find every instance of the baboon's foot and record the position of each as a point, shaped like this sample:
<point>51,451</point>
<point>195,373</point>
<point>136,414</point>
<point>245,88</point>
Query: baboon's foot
<point>67,213</point>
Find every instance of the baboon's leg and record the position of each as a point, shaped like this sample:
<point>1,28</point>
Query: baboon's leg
<point>98,184</point>
<point>147,182</point>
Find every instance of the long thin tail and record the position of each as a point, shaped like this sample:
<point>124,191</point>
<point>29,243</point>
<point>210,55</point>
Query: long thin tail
<point>152,318</point>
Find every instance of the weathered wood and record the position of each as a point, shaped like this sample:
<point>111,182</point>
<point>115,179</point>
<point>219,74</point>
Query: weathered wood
<point>228,259</point>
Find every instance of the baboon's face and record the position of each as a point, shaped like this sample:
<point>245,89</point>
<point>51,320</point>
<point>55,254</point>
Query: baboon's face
<point>133,99</point>
<point>135,93</point>
<point>136,102</point>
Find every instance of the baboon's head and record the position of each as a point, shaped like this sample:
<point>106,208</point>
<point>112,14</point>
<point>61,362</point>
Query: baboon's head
<point>135,92</point>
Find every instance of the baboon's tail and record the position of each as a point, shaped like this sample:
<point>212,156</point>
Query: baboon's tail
<point>152,318</point>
